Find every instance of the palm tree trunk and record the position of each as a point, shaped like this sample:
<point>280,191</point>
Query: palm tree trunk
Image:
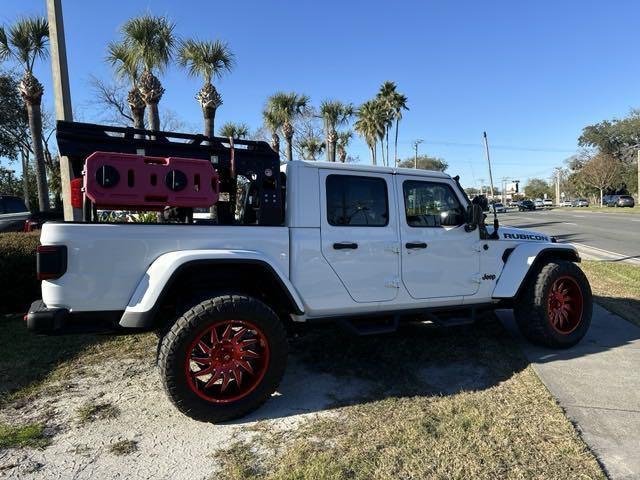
<point>138,117</point>
<point>24,154</point>
<point>209,122</point>
<point>35,125</point>
<point>153,116</point>
<point>388,162</point>
<point>395,146</point>
<point>289,141</point>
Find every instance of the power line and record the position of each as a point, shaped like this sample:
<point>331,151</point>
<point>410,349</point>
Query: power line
<point>500,147</point>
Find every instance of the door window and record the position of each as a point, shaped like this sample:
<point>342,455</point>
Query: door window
<point>356,201</point>
<point>431,204</point>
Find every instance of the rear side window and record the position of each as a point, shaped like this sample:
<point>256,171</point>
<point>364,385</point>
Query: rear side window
<point>13,205</point>
<point>354,201</point>
<point>430,204</point>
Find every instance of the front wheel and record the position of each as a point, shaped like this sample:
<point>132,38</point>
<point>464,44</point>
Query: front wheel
<point>223,358</point>
<point>555,306</point>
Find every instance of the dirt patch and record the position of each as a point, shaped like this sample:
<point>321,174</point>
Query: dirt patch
<point>340,402</point>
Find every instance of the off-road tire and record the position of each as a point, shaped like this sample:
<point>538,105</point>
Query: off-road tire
<point>173,357</point>
<point>532,306</point>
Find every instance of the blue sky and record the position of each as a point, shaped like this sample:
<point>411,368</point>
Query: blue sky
<point>531,74</point>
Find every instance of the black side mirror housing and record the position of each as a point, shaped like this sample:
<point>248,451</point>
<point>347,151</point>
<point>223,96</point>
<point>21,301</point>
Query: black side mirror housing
<point>474,217</point>
<point>482,201</point>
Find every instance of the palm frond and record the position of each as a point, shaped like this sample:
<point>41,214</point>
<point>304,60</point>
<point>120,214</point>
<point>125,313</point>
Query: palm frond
<point>209,59</point>
<point>234,130</point>
<point>26,41</point>
<point>151,39</point>
<point>124,61</point>
<point>288,105</point>
<point>335,113</point>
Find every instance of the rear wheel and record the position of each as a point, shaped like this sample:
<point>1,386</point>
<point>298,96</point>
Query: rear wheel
<point>555,306</point>
<point>223,358</point>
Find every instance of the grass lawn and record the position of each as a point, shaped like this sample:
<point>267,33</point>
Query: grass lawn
<point>609,209</point>
<point>616,286</point>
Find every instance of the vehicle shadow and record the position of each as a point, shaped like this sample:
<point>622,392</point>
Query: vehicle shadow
<point>608,331</point>
<point>26,358</point>
<point>330,368</point>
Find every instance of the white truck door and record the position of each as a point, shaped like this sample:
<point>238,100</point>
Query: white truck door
<point>439,258</point>
<point>360,238</point>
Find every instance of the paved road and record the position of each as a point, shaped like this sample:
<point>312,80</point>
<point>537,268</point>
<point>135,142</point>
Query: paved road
<point>613,232</point>
<point>597,383</point>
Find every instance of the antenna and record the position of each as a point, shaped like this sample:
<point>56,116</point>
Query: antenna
<point>496,224</point>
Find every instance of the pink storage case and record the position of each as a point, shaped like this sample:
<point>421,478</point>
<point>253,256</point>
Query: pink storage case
<point>137,181</point>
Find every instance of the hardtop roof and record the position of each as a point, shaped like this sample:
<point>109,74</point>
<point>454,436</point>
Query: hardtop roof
<point>357,167</point>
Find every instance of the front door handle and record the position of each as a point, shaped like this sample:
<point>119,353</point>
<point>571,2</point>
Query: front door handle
<point>345,246</point>
<point>414,245</point>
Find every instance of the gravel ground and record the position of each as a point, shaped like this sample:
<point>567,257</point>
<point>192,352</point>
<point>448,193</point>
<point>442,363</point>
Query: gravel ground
<point>165,443</point>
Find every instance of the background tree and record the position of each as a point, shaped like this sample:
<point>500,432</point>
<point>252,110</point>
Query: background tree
<point>234,130</point>
<point>123,59</point>
<point>398,104</point>
<point>537,188</point>
<point>273,122</point>
<point>344,138</point>
<point>370,124</point>
<point>287,107</point>
<point>312,146</point>
<point>334,114</point>
<point>151,42</point>
<point>25,42</point>
<point>209,60</point>
<point>385,96</point>
<point>425,162</point>
<point>601,172</point>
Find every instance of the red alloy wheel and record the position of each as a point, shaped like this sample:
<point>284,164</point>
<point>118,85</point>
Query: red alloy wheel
<point>227,361</point>
<point>565,305</point>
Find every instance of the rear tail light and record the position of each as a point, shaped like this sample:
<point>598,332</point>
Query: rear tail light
<point>51,261</point>
<point>76,192</point>
<point>30,225</point>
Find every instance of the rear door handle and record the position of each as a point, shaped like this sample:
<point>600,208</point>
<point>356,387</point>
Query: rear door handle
<point>414,245</point>
<point>345,246</point>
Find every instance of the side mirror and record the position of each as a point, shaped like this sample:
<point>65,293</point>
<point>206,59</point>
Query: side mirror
<point>475,217</point>
<point>482,201</point>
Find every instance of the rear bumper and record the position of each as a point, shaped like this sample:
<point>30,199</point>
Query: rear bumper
<point>42,319</point>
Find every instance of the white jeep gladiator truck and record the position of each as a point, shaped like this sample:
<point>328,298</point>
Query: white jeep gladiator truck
<point>366,246</point>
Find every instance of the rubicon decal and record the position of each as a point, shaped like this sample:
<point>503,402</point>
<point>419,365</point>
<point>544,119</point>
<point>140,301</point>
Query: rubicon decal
<point>525,236</point>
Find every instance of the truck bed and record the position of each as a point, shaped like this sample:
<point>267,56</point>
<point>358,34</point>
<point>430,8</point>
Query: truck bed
<point>107,261</point>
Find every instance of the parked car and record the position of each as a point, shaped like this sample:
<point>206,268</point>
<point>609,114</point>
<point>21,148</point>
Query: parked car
<point>526,205</point>
<point>16,217</point>
<point>547,202</point>
<point>581,202</point>
<point>498,208</point>
<point>618,201</point>
<point>566,203</point>
<point>13,214</point>
<point>538,202</point>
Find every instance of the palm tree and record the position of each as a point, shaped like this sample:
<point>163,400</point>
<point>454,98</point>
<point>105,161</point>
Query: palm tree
<point>234,130</point>
<point>311,146</point>
<point>273,121</point>
<point>25,42</point>
<point>122,59</point>
<point>398,103</point>
<point>210,60</point>
<point>288,107</point>
<point>372,117</point>
<point>334,114</point>
<point>344,138</point>
<point>151,42</point>
<point>385,96</point>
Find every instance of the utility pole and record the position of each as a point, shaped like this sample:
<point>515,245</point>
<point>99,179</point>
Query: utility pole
<point>415,147</point>
<point>638,200</point>
<point>486,149</point>
<point>557,186</point>
<point>62,97</point>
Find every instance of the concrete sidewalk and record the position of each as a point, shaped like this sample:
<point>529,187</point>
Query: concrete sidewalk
<point>597,383</point>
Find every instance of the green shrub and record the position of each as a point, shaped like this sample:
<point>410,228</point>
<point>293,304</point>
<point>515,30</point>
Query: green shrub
<point>18,283</point>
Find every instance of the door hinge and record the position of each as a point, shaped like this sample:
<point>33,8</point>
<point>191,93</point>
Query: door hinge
<point>477,278</point>
<point>392,282</point>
